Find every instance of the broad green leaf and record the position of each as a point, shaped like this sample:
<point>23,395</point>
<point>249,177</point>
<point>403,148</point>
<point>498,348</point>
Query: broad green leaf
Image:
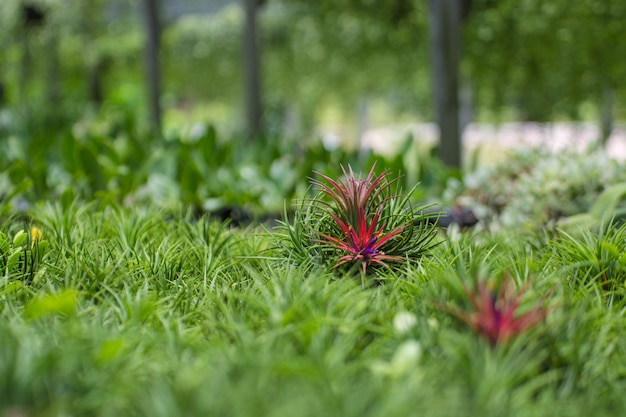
<point>4,244</point>
<point>604,208</point>
<point>62,304</point>
<point>610,247</point>
<point>607,202</point>
<point>14,259</point>
<point>19,238</point>
<point>109,350</point>
<point>12,287</point>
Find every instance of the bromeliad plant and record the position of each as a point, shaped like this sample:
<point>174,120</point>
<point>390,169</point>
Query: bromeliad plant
<point>360,223</point>
<point>496,315</point>
<point>362,244</point>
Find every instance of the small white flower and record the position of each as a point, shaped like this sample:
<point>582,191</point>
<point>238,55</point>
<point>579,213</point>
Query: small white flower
<point>406,357</point>
<point>404,360</point>
<point>433,323</point>
<point>404,321</point>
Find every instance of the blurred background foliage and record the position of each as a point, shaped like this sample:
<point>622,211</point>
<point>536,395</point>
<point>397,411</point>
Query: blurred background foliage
<point>74,112</point>
<point>535,61</point>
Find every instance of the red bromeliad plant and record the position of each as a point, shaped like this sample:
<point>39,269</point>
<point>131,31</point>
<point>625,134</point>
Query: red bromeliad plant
<point>496,315</point>
<point>352,195</point>
<point>366,222</point>
<point>363,243</point>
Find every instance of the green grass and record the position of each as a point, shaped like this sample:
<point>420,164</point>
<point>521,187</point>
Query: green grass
<point>134,312</point>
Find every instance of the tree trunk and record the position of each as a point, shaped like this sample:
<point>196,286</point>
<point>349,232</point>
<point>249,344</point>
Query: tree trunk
<point>606,114</point>
<point>445,39</point>
<point>91,15</point>
<point>53,80</point>
<point>53,74</point>
<point>94,85</point>
<point>153,68</point>
<point>25,67</point>
<point>292,124</point>
<point>362,122</point>
<point>252,72</point>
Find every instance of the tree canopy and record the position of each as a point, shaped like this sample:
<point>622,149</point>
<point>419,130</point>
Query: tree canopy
<point>521,59</point>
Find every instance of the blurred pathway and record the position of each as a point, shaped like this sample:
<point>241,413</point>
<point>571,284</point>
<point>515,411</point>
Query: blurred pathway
<point>495,140</point>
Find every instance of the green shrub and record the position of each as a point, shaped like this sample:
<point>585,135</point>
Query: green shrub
<point>537,187</point>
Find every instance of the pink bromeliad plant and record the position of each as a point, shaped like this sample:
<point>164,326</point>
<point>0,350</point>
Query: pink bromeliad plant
<point>360,222</point>
<point>352,195</point>
<point>362,243</point>
<point>496,315</point>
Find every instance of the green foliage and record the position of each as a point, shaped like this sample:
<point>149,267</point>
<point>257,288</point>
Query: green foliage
<point>124,301</point>
<point>596,259</point>
<point>537,60</point>
<point>331,52</point>
<point>207,41</point>
<point>20,257</point>
<point>111,158</point>
<point>537,187</point>
<point>346,43</point>
<point>82,58</point>
<point>606,207</point>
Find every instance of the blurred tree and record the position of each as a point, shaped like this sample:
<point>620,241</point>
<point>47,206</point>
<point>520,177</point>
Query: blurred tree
<point>33,17</point>
<point>547,60</point>
<point>349,52</point>
<point>445,35</point>
<point>91,28</point>
<point>556,59</point>
<point>153,66</point>
<point>252,71</point>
